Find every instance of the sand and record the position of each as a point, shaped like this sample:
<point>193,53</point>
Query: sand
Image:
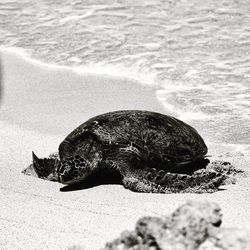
<point>40,105</point>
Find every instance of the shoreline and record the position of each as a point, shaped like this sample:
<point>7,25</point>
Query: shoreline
<point>34,210</point>
<point>96,69</point>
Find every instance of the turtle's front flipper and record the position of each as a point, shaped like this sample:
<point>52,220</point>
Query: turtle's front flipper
<point>142,179</point>
<point>136,185</point>
<point>130,164</point>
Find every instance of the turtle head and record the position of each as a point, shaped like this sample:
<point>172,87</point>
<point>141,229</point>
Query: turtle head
<point>72,170</point>
<point>44,168</point>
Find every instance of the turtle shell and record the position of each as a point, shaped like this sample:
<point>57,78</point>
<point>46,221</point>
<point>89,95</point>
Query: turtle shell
<point>161,140</point>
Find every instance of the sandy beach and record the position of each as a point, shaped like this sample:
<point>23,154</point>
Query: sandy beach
<point>40,105</point>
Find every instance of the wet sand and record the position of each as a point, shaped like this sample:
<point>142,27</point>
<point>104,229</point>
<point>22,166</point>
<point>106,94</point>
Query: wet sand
<point>40,105</point>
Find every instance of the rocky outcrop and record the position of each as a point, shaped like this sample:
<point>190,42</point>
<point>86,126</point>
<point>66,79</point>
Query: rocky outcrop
<point>193,226</point>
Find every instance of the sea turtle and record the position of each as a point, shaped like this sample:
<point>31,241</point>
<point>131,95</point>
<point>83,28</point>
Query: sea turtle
<point>145,148</point>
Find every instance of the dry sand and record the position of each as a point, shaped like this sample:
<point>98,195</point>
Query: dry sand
<point>40,106</point>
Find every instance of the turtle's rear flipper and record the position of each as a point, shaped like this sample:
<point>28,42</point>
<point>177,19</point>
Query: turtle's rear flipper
<point>42,168</point>
<point>146,180</point>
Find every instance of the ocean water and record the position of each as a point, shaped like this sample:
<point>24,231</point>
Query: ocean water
<point>197,54</point>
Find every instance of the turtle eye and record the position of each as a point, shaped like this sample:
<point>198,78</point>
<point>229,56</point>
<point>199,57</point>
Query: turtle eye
<point>66,171</point>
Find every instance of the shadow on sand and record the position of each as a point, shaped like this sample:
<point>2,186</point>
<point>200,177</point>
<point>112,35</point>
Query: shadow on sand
<point>97,179</point>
